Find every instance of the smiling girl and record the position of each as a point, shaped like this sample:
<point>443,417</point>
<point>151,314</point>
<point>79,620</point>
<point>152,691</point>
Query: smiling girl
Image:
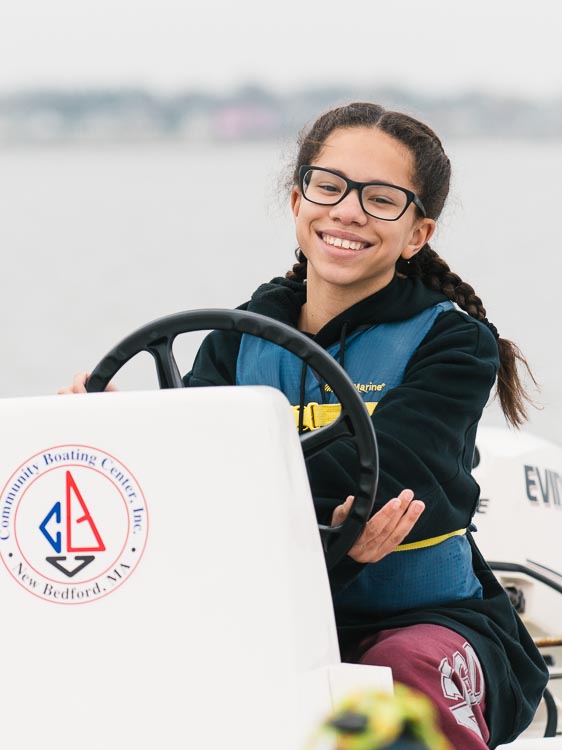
<point>413,593</point>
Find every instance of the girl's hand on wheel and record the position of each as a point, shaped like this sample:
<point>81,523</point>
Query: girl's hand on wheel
<point>79,384</point>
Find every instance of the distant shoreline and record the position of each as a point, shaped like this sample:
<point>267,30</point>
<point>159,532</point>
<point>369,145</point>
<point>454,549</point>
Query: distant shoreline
<point>134,115</point>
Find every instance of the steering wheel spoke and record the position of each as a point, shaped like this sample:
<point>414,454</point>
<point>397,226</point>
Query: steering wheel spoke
<point>166,366</point>
<point>354,422</point>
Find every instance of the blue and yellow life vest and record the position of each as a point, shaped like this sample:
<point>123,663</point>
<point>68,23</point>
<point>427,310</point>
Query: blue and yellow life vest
<point>429,572</point>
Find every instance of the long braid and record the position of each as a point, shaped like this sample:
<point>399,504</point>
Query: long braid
<point>436,274</point>
<point>512,393</point>
<point>432,173</point>
<point>298,271</point>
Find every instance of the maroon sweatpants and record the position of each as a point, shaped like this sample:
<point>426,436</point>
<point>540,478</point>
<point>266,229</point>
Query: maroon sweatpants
<point>441,664</point>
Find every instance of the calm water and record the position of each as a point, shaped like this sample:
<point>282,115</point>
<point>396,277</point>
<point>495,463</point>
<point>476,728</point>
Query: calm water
<point>97,242</point>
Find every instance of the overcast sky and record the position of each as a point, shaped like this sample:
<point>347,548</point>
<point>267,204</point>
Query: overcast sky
<point>435,46</point>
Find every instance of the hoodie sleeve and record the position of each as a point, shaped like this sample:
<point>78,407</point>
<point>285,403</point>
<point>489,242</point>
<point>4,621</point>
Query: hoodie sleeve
<point>215,363</point>
<point>426,429</point>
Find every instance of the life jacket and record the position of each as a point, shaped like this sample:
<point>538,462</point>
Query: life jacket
<point>375,359</point>
<point>424,573</point>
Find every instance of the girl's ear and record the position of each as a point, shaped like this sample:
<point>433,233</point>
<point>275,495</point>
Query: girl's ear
<point>421,234</point>
<point>295,201</point>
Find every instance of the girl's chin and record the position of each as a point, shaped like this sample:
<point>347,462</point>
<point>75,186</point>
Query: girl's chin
<point>348,276</point>
<point>338,277</point>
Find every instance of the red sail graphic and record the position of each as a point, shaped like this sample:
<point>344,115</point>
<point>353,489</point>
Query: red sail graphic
<point>74,496</point>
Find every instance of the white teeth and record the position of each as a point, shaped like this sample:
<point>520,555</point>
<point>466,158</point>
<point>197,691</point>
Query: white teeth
<point>346,244</point>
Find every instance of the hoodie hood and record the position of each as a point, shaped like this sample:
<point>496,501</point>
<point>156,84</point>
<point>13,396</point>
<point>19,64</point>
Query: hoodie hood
<point>403,298</point>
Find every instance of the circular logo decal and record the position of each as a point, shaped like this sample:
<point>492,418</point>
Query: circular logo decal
<point>73,524</point>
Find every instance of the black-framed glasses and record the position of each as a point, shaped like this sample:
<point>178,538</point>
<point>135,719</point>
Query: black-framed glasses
<point>378,199</point>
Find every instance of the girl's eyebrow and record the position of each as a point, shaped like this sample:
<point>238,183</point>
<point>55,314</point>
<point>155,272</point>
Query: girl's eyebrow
<point>337,171</point>
<point>343,174</point>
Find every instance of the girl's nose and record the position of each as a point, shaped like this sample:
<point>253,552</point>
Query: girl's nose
<point>349,210</point>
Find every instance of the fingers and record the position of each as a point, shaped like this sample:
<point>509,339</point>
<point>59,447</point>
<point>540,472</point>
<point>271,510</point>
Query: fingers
<point>78,384</point>
<point>387,528</point>
<point>392,512</point>
<point>342,511</point>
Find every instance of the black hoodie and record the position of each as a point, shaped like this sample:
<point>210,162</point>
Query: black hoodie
<point>426,429</point>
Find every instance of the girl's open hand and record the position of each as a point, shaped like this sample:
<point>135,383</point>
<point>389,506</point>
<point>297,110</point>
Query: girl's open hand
<point>385,530</point>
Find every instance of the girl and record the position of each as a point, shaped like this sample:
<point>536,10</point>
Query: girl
<point>413,593</point>
<point>368,186</point>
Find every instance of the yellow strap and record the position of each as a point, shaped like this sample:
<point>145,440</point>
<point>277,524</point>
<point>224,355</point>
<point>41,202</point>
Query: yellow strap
<point>319,415</point>
<point>431,542</point>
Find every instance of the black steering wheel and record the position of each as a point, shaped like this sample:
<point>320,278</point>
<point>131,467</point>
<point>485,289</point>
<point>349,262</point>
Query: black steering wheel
<point>353,422</point>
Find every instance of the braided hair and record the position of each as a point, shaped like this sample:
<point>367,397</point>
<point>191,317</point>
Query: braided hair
<point>432,175</point>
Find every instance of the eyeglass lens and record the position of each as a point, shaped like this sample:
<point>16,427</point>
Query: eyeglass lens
<point>380,201</point>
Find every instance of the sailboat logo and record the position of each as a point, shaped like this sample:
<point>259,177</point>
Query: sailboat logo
<point>73,524</point>
<point>74,527</point>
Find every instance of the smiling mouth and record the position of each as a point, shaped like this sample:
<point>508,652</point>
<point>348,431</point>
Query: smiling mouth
<point>345,244</point>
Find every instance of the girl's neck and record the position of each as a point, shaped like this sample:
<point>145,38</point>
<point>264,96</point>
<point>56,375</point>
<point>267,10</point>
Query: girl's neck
<point>314,317</point>
<point>325,301</point>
